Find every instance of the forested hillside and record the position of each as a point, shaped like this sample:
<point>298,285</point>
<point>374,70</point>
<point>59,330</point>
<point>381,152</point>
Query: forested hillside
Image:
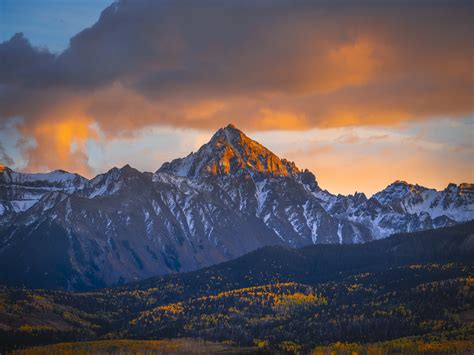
<point>275,298</point>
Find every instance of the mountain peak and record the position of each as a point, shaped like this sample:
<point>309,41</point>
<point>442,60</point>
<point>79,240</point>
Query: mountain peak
<point>230,126</point>
<point>397,191</point>
<point>127,167</point>
<point>400,185</point>
<point>465,186</point>
<point>229,133</point>
<point>230,152</point>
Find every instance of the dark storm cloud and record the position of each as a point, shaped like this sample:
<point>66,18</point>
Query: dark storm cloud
<point>241,45</point>
<point>21,64</point>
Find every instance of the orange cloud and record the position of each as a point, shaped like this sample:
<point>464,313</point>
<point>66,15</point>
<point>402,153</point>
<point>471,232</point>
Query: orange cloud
<point>331,65</point>
<point>61,144</point>
<point>269,119</point>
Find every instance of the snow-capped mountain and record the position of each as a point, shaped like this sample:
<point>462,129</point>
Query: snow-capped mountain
<point>454,202</point>
<point>230,197</point>
<point>20,191</point>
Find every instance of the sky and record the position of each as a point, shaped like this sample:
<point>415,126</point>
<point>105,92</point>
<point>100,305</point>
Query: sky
<point>362,93</point>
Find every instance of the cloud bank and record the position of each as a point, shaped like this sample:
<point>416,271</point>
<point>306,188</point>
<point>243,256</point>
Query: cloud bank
<point>263,65</point>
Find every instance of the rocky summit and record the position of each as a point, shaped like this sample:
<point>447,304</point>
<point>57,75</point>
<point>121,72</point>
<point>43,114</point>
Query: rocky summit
<point>232,196</point>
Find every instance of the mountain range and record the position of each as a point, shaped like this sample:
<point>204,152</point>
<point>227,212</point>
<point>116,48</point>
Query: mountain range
<point>232,196</point>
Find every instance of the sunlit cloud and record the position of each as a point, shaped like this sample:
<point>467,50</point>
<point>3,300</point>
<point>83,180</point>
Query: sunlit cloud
<point>61,145</point>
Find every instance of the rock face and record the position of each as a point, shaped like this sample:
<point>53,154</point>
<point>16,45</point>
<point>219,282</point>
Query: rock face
<point>232,196</point>
<point>230,152</point>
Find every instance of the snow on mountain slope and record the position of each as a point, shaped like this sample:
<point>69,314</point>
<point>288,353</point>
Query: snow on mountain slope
<point>454,202</point>
<point>56,178</point>
<point>20,191</point>
<point>230,197</point>
<point>113,181</point>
